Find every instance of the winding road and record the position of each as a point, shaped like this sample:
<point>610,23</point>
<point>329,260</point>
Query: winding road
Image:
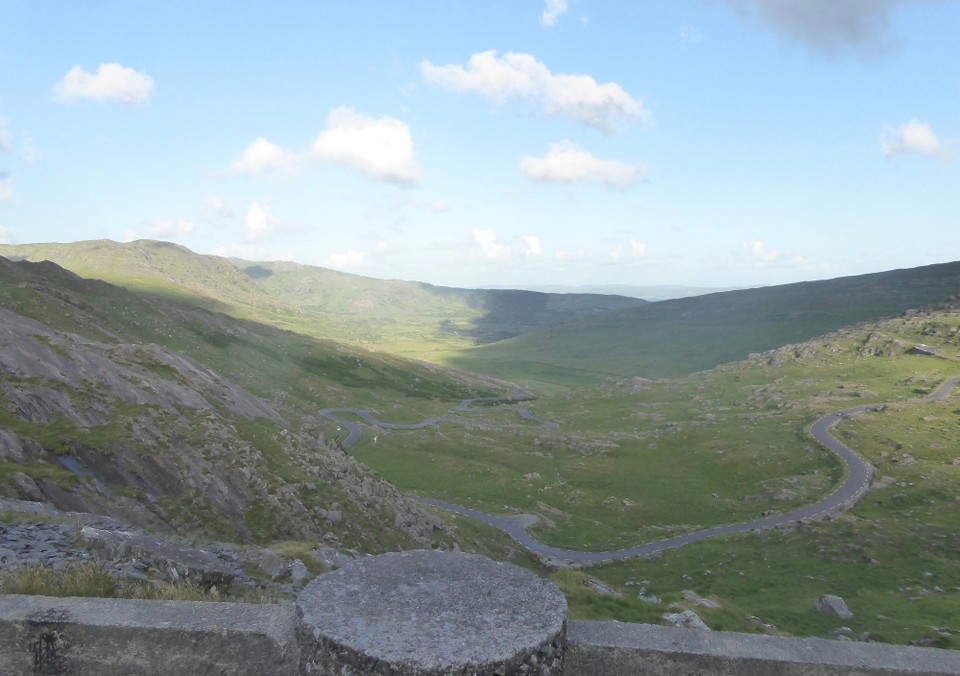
<point>859,474</point>
<point>354,431</point>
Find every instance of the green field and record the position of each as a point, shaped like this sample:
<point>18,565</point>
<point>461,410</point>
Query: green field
<point>723,446</point>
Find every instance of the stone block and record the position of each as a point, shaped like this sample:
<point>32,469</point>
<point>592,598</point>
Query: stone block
<point>114,637</point>
<point>428,613</point>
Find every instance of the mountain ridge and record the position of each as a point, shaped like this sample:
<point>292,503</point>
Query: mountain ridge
<point>677,337</point>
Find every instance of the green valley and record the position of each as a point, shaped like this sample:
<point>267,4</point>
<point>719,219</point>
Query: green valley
<point>670,417</point>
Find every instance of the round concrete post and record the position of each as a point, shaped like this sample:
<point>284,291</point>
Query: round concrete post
<point>428,613</point>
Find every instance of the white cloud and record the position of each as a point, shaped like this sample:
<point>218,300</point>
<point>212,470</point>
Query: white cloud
<point>262,155</point>
<point>763,253</point>
<point>828,26</point>
<point>633,251</point>
<point>260,223</point>
<point>381,148</point>
<point>554,10</point>
<point>4,136</point>
<point>566,163</point>
<point>112,82</point>
<point>490,247</point>
<point>6,189</point>
<point>914,137</point>
<point>578,256</point>
<point>216,209</point>
<point>520,77</point>
<point>252,252</point>
<point>7,236</point>
<point>30,151</point>
<point>170,228</point>
<point>348,259</point>
<point>533,247</point>
<point>161,230</point>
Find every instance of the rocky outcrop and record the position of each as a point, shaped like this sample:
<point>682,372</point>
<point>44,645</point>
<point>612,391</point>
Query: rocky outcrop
<point>35,360</point>
<point>151,436</point>
<point>174,562</point>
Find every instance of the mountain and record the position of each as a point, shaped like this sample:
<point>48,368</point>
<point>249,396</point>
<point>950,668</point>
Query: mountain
<point>416,314</point>
<point>678,337</point>
<point>652,293</point>
<point>410,318</point>
<point>178,419</point>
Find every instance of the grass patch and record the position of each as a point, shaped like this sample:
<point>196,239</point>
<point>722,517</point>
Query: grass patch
<point>88,580</point>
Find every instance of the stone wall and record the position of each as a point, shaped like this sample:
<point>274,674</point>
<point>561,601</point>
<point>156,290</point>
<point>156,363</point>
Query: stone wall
<point>107,637</point>
<point>120,637</point>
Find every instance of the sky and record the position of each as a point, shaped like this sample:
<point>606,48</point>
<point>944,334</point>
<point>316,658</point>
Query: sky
<point>499,143</point>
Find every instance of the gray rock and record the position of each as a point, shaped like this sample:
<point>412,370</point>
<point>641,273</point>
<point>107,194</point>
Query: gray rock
<point>599,587</point>
<point>696,599</point>
<point>687,619</point>
<point>298,571</point>
<point>272,565</point>
<point>834,606</point>
<point>18,449</point>
<point>330,557</point>
<point>7,555</point>
<point>27,487</point>
<point>172,561</point>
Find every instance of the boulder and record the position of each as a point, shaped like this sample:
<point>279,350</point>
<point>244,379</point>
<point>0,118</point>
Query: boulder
<point>695,598</point>
<point>686,618</point>
<point>171,561</point>
<point>27,487</point>
<point>834,606</point>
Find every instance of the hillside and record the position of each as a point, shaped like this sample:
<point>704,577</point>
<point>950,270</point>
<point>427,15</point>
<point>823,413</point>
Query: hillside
<point>637,461</point>
<point>678,337</point>
<point>375,310</point>
<point>178,419</point>
<point>408,318</point>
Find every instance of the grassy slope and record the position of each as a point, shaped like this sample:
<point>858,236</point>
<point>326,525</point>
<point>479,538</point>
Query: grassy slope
<point>678,337</point>
<point>305,372</point>
<point>417,318</point>
<point>157,268</point>
<point>725,445</point>
<point>296,373</point>
<point>406,318</point>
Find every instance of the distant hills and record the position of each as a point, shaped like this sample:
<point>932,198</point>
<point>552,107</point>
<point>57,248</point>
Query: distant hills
<point>523,336</point>
<point>409,318</point>
<point>678,337</point>
<point>391,306</point>
<point>656,292</point>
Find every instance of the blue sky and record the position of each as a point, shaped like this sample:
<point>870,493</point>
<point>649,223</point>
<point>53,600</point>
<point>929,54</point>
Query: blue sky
<point>506,143</point>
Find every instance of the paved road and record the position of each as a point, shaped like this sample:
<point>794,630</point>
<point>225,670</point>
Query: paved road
<point>859,474</point>
<point>354,432</point>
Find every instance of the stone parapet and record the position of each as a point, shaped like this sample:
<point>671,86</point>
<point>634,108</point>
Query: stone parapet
<point>423,613</point>
<point>617,648</point>
<point>123,637</point>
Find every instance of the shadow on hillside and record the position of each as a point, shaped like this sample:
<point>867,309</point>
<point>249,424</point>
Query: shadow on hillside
<point>508,313</point>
